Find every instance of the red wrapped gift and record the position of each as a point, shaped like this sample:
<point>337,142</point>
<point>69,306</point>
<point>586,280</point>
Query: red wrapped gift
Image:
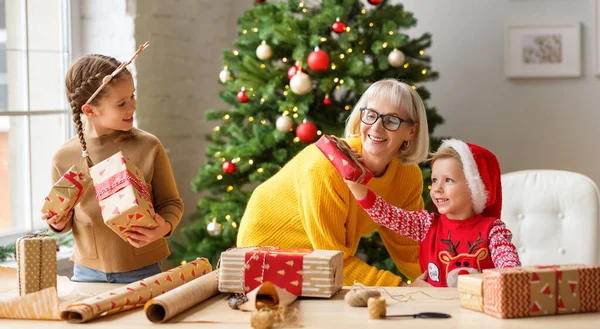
<point>344,159</point>
<point>302,272</point>
<point>66,192</point>
<point>541,290</point>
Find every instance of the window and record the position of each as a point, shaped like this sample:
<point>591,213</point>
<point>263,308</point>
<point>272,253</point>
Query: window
<point>34,115</point>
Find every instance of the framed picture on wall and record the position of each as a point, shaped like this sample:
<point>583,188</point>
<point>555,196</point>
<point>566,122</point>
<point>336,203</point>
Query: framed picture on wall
<point>542,48</point>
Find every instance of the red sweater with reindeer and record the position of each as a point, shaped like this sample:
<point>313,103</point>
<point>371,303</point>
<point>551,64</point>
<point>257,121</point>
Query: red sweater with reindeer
<point>448,247</point>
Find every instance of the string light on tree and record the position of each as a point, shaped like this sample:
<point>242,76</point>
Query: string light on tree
<point>301,84</point>
<point>225,75</point>
<point>242,97</point>
<point>213,228</point>
<point>318,60</point>
<point>396,58</point>
<point>264,51</point>
<point>228,167</point>
<point>284,123</point>
<point>306,132</point>
<point>338,26</point>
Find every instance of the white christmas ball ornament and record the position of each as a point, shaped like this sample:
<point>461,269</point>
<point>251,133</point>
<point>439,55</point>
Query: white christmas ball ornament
<point>284,123</point>
<point>301,84</point>
<point>214,229</point>
<point>225,75</point>
<point>264,51</point>
<point>396,58</point>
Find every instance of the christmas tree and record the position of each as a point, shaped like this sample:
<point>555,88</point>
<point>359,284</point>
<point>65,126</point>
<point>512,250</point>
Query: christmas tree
<point>295,71</point>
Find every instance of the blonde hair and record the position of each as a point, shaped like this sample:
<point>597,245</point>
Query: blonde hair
<point>447,153</point>
<point>82,80</point>
<point>407,100</point>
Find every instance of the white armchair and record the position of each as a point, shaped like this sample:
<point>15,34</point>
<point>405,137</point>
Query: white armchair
<point>554,216</point>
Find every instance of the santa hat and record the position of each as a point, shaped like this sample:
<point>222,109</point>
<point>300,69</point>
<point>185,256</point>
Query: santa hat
<point>482,171</point>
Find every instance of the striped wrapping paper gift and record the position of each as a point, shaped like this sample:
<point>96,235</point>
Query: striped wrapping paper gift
<point>302,272</point>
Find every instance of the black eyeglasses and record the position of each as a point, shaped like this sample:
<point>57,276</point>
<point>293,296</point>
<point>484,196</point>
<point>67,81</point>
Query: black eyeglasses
<point>390,121</point>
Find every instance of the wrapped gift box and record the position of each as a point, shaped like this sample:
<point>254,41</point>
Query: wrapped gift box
<point>534,290</point>
<point>470,288</point>
<point>66,192</point>
<point>344,159</point>
<point>310,273</point>
<point>123,196</point>
<point>36,263</point>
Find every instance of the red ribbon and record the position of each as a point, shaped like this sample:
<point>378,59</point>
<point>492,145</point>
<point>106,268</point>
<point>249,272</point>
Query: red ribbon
<point>70,176</point>
<point>119,181</point>
<point>558,274</point>
<point>283,267</point>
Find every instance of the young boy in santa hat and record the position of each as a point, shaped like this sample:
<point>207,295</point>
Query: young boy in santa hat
<point>468,235</point>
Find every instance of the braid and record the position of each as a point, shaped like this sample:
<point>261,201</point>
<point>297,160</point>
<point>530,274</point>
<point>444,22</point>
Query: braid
<point>79,127</point>
<point>82,80</point>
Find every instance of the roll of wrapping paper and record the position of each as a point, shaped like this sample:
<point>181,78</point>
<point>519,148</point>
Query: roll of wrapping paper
<point>164,307</point>
<point>135,294</point>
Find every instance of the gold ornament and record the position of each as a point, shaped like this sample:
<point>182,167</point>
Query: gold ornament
<point>264,51</point>
<point>301,84</point>
<point>396,58</point>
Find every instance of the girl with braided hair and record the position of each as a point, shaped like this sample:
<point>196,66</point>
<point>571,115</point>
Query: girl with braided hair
<point>101,89</point>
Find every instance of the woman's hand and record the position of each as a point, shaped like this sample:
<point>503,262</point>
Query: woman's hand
<point>420,281</point>
<point>142,236</point>
<point>57,223</point>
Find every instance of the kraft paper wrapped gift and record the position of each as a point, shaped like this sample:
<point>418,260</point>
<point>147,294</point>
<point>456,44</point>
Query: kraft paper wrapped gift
<point>470,288</point>
<point>301,272</point>
<point>344,159</point>
<point>537,290</point>
<point>66,192</point>
<point>36,263</point>
<point>123,195</point>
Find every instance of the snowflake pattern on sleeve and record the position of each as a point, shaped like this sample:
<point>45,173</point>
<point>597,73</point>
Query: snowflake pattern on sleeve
<point>503,251</point>
<point>412,224</point>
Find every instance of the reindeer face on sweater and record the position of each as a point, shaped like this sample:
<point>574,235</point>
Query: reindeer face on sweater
<point>465,263</point>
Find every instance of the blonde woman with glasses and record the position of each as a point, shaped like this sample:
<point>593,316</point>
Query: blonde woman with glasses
<point>308,205</point>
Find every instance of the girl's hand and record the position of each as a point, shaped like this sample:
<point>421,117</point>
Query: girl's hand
<point>420,281</point>
<point>57,223</point>
<point>359,190</point>
<point>144,236</point>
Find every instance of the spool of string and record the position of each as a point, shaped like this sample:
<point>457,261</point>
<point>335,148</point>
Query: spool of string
<point>376,306</point>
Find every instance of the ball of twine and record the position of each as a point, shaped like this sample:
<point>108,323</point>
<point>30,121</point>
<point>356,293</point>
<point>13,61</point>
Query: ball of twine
<point>359,297</point>
<point>262,319</point>
<point>376,306</point>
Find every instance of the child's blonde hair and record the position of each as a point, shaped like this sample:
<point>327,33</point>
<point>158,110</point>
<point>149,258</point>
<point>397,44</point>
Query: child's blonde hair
<point>445,154</point>
<point>403,97</point>
<point>83,78</point>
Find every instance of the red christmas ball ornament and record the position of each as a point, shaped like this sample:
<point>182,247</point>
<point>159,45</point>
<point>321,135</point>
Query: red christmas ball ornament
<point>318,60</point>
<point>306,132</point>
<point>327,100</point>
<point>242,97</point>
<point>338,26</point>
<point>292,70</point>
<point>374,2</point>
<point>228,167</point>
<point>260,1</point>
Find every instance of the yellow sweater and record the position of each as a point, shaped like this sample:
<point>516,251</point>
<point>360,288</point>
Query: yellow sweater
<point>308,205</point>
<point>96,245</point>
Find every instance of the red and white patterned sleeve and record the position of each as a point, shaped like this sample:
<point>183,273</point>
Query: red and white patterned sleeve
<point>412,224</point>
<point>503,251</point>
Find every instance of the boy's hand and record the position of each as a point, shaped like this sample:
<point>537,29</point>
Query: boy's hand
<point>359,190</point>
<point>142,236</point>
<point>57,223</point>
<point>420,281</point>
